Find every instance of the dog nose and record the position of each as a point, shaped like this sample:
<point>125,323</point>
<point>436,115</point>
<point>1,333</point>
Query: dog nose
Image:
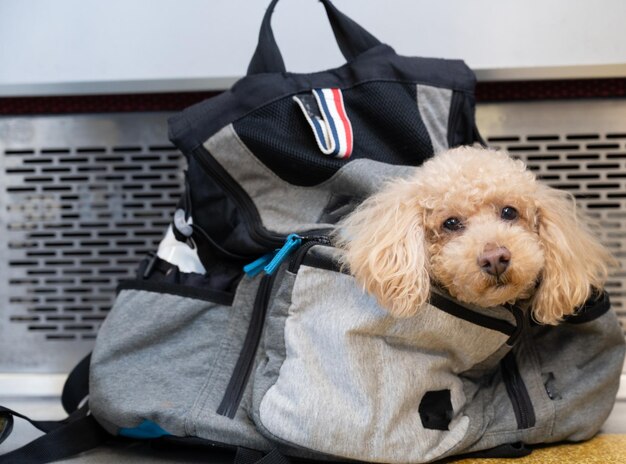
<point>494,260</point>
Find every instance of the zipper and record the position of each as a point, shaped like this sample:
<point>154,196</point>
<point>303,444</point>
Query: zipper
<point>309,242</point>
<point>518,394</point>
<point>268,264</point>
<point>252,219</point>
<point>239,379</point>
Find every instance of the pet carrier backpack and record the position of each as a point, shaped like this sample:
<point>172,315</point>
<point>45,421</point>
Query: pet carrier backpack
<point>242,331</point>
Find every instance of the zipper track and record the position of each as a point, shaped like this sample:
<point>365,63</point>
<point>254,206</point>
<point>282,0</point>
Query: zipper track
<point>251,216</point>
<point>310,242</point>
<point>518,394</point>
<point>243,368</point>
<point>239,378</point>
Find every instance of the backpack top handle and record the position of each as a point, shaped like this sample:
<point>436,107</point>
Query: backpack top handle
<point>351,38</point>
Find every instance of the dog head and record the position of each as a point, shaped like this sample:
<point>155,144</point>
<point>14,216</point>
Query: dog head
<point>478,224</point>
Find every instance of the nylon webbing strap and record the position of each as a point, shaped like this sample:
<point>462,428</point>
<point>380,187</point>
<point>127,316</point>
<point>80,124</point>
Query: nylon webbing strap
<point>48,426</point>
<point>64,441</point>
<point>249,456</point>
<point>76,386</point>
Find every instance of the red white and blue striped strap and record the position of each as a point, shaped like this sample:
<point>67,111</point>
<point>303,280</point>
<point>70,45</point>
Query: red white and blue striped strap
<point>326,114</point>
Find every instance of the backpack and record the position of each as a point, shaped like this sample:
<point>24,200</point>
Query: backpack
<point>243,332</point>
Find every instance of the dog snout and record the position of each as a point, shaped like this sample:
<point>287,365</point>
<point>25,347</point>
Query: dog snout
<point>494,260</point>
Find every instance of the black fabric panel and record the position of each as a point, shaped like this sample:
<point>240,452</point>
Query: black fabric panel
<point>461,123</point>
<point>209,202</point>
<point>222,231</point>
<point>385,121</point>
<point>436,410</point>
<point>196,124</point>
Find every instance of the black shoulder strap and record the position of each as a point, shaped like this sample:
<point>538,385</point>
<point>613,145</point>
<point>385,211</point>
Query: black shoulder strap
<point>62,442</point>
<point>76,386</point>
<point>77,433</point>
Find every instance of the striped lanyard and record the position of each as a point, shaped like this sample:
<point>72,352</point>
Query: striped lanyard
<point>326,114</point>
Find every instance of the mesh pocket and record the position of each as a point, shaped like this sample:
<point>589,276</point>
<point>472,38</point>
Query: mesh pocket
<point>386,123</point>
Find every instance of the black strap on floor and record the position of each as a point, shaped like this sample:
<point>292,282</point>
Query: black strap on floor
<point>67,440</point>
<point>6,425</point>
<point>76,386</point>
<point>48,426</point>
<point>249,456</point>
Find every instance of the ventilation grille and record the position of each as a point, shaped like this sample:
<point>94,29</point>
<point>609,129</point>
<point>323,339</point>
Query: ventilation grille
<point>79,211</point>
<point>575,146</point>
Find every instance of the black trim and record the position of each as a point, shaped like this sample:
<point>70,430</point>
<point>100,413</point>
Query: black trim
<point>517,392</point>
<point>455,309</point>
<point>595,307</point>
<point>241,373</point>
<point>521,323</point>
<point>197,293</point>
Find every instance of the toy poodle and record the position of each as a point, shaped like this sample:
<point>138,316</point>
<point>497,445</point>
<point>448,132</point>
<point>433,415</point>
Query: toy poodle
<point>478,224</point>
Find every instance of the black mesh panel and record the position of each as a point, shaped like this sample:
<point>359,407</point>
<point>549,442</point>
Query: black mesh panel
<point>385,120</point>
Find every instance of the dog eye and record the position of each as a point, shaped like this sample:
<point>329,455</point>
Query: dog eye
<point>452,224</point>
<point>509,213</point>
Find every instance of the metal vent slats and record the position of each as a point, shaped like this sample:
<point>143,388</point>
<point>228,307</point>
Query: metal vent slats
<point>83,199</point>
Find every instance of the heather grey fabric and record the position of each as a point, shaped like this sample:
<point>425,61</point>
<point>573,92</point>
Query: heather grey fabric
<point>336,377</point>
<point>350,377</point>
<point>168,359</point>
<point>434,106</point>
<point>287,208</point>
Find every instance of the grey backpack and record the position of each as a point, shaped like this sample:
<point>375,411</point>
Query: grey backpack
<point>241,331</point>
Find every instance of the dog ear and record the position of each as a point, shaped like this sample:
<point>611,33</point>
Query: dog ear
<point>384,248</point>
<point>575,261</point>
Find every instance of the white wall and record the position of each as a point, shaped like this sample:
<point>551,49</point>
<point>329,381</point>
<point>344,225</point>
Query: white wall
<point>78,46</point>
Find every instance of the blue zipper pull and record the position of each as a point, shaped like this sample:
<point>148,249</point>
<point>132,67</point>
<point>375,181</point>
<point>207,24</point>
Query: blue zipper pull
<point>293,241</point>
<point>255,267</point>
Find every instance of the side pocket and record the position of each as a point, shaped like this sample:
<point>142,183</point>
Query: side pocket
<point>154,353</point>
<point>342,377</point>
<point>581,361</point>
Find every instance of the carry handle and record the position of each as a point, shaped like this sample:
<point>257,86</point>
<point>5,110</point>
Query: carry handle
<point>351,38</point>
